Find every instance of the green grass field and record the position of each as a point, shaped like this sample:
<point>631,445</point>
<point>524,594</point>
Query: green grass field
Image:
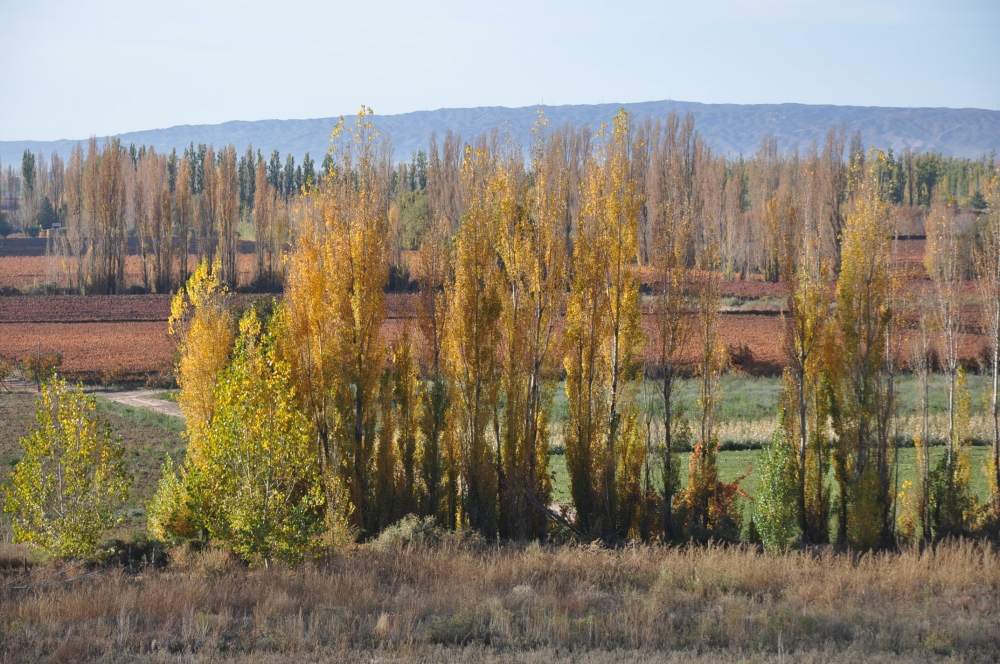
<point>750,400</point>
<point>732,464</point>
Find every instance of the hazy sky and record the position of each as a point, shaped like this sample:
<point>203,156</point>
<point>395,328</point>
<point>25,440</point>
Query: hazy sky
<point>72,68</point>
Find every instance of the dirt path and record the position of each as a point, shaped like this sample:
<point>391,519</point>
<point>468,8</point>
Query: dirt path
<point>143,399</point>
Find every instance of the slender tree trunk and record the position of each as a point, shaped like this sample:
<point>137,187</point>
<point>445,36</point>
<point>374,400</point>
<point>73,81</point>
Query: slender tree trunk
<point>800,380</point>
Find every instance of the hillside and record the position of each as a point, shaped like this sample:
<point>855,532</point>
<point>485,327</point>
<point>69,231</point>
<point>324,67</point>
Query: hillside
<point>731,128</point>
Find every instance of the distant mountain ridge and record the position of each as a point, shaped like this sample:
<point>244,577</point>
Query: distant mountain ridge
<point>728,128</point>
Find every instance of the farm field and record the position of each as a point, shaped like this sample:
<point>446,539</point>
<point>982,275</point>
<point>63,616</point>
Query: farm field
<point>27,265</point>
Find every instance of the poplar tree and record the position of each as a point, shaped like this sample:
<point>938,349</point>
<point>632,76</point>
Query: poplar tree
<point>200,317</point>
<point>534,281</point>
<point>184,212</point>
<point>109,208</point>
<point>227,209</point>
<point>335,308</point>
<point>988,268</point>
<point>671,229</point>
<point>863,397</point>
<point>603,341</point>
<point>472,337</point>
<point>439,458</point>
<point>804,333</point>
<point>264,217</point>
<point>68,489</point>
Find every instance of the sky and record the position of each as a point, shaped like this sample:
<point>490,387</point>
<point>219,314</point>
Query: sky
<point>75,68</point>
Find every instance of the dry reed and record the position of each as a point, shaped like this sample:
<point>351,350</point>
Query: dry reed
<point>516,603</point>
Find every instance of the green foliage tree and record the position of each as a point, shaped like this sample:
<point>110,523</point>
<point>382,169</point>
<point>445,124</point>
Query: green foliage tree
<point>68,489</point>
<point>47,215</point>
<point>28,172</point>
<point>266,499</point>
<point>776,512</point>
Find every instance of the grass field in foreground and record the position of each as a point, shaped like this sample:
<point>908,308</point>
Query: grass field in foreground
<point>460,600</point>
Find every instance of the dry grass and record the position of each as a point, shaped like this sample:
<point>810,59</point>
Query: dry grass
<point>466,602</point>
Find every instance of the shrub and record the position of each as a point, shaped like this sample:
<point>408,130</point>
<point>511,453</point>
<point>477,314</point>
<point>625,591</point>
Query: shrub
<point>407,530</point>
<point>67,490</point>
<point>41,367</point>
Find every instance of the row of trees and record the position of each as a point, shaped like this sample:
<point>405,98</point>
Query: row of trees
<point>111,201</point>
<point>536,278</point>
<point>314,420</point>
<point>212,195</point>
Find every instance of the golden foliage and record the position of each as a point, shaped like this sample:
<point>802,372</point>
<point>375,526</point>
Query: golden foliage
<point>200,317</point>
<point>335,305</point>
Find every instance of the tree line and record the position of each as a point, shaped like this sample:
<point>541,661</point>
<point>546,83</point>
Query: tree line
<point>111,201</point>
<point>312,421</point>
<point>535,280</point>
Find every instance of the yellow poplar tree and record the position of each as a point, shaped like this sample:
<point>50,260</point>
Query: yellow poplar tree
<point>864,311</point>
<point>988,267</point>
<point>438,454</point>
<point>69,487</point>
<point>472,337</point>
<point>804,333</point>
<point>405,390</point>
<point>603,339</point>
<point>335,304</point>
<point>534,279</point>
<point>200,317</point>
<point>263,492</point>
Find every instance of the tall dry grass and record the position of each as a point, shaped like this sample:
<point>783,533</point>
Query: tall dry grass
<point>515,603</point>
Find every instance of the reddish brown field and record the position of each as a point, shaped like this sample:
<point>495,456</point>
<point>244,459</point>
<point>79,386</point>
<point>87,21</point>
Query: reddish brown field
<point>99,352</point>
<point>125,337</point>
<point>103,337</point>
<point>26,273</point>
<point>90,309</point>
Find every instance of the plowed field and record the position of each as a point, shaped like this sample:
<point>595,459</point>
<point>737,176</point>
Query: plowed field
<point>95,352</point>
<point>26,273</point>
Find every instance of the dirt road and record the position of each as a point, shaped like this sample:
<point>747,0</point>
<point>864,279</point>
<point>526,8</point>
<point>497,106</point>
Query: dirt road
<point>143,399</point>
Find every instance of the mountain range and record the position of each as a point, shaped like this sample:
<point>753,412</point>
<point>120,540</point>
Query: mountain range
<point>729,128</point>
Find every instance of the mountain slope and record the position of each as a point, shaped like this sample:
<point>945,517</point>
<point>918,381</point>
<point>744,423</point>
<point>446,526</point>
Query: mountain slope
<point>731,128</point>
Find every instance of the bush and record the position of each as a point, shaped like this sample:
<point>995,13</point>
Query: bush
<point>407,530</point>
<point>68,489</point>
<point>41,367</point>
